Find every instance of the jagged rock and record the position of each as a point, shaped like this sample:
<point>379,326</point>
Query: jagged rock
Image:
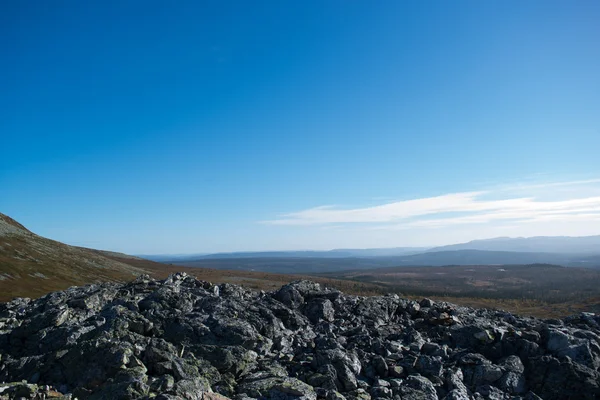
<point>380,366</point>
<point>477,370</point>
<point>429,366</point>
<point>491,393</point>
<point>455,386</point>
<point>320,309</point>
<point>582,350</point>
<point>513,364</point>
<point>278,388</point>
<point>513,383</point>
<point>182,338</point>
<point>418,388</point>
<point>551,378</point>
<point>380,392</point>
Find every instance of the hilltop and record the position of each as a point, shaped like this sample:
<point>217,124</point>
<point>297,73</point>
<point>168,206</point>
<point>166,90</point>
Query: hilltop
<point>182,338</point>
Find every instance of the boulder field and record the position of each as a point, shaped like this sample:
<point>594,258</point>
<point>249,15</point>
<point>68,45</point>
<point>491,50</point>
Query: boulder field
<point>182,338</point>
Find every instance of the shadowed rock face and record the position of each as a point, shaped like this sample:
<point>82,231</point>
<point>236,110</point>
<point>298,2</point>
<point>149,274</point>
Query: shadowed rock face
<point>182,338</point>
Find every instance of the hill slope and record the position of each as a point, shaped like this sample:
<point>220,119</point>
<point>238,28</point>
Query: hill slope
<point>31,265</point>
<point>182,338</point>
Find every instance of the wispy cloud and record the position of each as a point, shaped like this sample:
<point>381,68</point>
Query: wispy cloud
<point>500,205</point>
<point>530,186</point>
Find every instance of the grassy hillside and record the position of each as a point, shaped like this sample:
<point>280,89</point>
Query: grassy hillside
<point>32,266</point>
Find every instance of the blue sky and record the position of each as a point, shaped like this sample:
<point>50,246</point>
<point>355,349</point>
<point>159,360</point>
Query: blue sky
<point>154,127</point>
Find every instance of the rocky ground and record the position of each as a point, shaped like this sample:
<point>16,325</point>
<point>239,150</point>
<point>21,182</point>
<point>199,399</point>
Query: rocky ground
<point>183,338</point>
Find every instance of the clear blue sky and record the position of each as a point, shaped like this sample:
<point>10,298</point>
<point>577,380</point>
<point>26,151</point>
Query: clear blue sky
<point>192,126</point>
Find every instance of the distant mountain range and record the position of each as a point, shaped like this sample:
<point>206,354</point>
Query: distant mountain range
<point>312,265</point>
<point>32,265</point>
<point>582,245</point>
<point>536,244</point>
<point>560,250</point>
<point>337,253</point>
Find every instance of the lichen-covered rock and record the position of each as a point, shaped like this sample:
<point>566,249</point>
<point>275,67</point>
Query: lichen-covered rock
<point>182,338</point>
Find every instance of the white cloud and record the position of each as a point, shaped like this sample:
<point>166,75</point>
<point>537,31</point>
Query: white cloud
<point>507,205</point>
<point>546,185</point>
